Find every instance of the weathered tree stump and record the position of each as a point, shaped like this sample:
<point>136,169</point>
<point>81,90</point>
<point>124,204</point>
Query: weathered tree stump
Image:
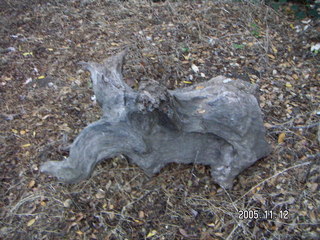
<point>216,123</point>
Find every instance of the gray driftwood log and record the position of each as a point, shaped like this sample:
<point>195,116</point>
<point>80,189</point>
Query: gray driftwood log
<point>216,123</point>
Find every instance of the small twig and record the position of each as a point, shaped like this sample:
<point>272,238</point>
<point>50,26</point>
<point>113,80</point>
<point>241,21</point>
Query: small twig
<point>21,202</point>
<point>296,127</point>
<point>313,156</point>
<point>269,178</point>
<point>131,203</point>
<point>267,40</point>
<point>317,155</point>
<point>236,220</point>
<point>199,31</point>
<point>9,117</point>
<point>307,126</point>
<point>225,10</point>
<point>233,230</point>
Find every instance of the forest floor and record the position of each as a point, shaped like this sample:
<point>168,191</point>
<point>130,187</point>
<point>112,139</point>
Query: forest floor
<point>45,101</point>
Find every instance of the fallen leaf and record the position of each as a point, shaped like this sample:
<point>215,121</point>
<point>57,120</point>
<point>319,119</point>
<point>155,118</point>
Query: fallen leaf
<point>41,77</point>
<point>64,127</point>
<point>313,217</point>
<point>187,82</point>
<point>26,145</point>
<point>183,232</point>
<point>303,213</point>
<point>274,49</point>
<point>271,56</point>
<point>281,137</point>
<point>80,216</point>
<point>195,68</point>
<point>201,111</point>
<point>31,222</point>
<point>187,57</point>
<point>14,131</point>
<point>313,186</point>
<point>199,87</point>
<point>31,183</point>
<point>22,132</point>
<point>219,234</point>
<point>100,194</point>
<point>79,232</point>
<point>288,85</point>
<point>27,54</point>
<point>201,60</point>
<point>48,115</point>
<point>29,80</point>
<point>67,203</point>
<point>152,233</point>
<point>141,214</point>
<point>111,215</point>
<point>267,125</point>
<point>138,221</point>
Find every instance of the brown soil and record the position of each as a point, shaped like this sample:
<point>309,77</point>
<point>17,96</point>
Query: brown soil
<point>45,101</point>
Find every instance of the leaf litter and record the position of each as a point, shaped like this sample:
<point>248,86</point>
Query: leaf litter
<point>42,110</point>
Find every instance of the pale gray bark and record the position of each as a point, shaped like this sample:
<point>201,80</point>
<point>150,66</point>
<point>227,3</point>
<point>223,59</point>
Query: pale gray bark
<point>216,123</point>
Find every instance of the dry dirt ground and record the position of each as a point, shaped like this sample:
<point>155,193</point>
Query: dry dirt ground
<point>45,101</point>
